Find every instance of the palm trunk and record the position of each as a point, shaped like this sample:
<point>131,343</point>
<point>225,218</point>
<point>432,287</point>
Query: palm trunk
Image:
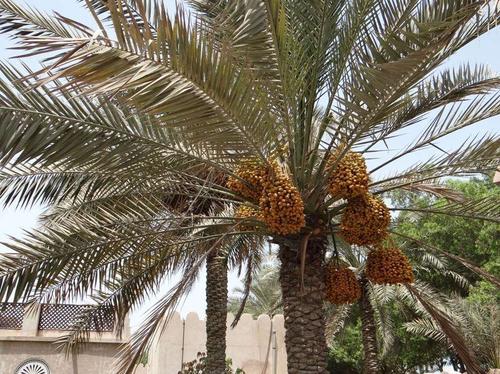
<point>216,293</point>
<point>369,332</point>
<point>304,313</point>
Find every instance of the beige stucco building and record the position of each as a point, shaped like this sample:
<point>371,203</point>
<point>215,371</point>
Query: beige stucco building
<point>27,342</point>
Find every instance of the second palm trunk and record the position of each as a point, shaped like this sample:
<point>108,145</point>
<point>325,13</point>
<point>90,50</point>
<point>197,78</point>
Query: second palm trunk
<point>371,364</point>
<point>216,294</point>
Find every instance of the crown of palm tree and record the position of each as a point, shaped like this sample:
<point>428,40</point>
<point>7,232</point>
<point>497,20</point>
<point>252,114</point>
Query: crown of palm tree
<point>148,106</point>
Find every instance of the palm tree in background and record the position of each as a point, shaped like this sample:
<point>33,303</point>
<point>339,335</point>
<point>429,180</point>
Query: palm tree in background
<point>480,325</point>
<point>216,286</point>
<point>131,111</point>
<point>264,296</point>
<point>419,298</point>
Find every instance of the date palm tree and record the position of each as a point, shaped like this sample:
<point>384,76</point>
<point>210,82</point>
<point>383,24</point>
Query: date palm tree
<point>216,287</point>
<point>136,106</point>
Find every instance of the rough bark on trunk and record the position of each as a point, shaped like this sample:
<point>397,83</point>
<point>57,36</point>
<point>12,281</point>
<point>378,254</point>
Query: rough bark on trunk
<point>371,364</point>
<point>216,293</point>
<point>304,312</point>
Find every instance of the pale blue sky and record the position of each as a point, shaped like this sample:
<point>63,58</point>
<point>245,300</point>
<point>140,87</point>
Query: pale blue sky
<point>485,50</point>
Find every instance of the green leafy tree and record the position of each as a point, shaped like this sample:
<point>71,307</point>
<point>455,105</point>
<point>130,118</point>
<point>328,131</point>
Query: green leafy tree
<point>346,353</point>
<point>132,111</point>
<point>475,241</point>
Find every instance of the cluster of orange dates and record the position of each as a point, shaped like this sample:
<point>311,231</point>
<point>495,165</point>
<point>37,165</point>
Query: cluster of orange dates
<point>341,285</point>
<point>364,222</point>
<point>249,216</point>
<point>249,179</point>
<point>388,266</point>
<point>349,175</point>
<point>280,204</point>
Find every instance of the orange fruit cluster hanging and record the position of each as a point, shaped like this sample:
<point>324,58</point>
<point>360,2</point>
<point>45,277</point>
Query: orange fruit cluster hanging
<point>281,205</point>
<point>342,287</point>
<point>365,221</point>
<point>249,214</point>
<point>349,177</point>
<point>388,266</point>
<point>255,174</point>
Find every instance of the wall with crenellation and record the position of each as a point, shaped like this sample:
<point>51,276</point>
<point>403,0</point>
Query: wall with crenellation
<point>255,345</point>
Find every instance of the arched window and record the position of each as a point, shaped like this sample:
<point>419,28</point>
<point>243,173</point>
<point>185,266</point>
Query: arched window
<point>33,367</point>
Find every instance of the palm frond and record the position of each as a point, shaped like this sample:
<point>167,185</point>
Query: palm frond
<point>429,262</point>
<point>336,320</point>
<point>94,253</point>
<point>455,117</point>
<point>450,330</point>
<point>77,124</point>
<point>427,328</point>
<point>263,296</point>
<point>441,89</point>
<point>481,327</point>
<point>382,295</point>
<point>486,208</point>
<point>472,156</point>
<point>151,76</point>
<point>244,27</point>
<point>128,291</point>
<point>24,21</point>
<point>384,324</point>
<point>135,11</point>
<point>466,263</point>
<point>477,323</point>
<point>401,61</point>
<point>436,189</point>
<point>157,319</point>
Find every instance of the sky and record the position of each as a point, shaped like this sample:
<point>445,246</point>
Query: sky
<point>485,50</point>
